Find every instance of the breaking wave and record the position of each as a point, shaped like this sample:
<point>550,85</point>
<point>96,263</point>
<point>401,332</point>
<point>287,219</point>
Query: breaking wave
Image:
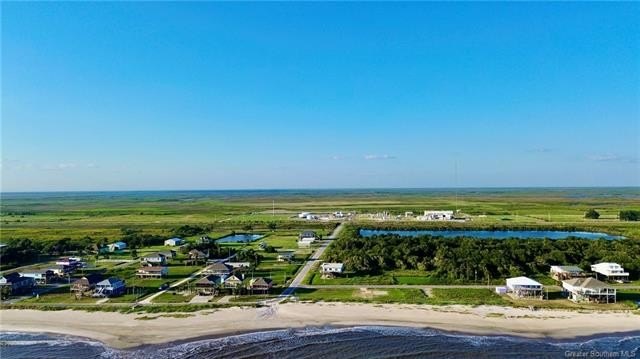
<point>328,342</point>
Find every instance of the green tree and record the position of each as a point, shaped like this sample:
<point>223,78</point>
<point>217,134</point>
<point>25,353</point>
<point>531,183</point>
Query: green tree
<point>630,215</point>
<point>5,292</point>
<point>592,214</point>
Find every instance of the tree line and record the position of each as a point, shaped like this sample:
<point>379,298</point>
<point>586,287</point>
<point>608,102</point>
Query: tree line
<point>465,258</point>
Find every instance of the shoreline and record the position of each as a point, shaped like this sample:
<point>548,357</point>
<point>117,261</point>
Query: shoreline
<point>124,331</point>
<point>205,338</point>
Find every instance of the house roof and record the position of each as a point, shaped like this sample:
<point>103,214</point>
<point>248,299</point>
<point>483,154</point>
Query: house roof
<point>607,265</point>
<point>38,271</point>
<point>197,253</point>
<point>570,269</point>
<point>89,279</point>
<point>589,283</point>
<point>209,280</point>
<point>110,281</point>
<point>522,281</point>
<point>233,278</point>
<point>239,264</point>
<point>307,234</point>
<point>219,266</point>
<point>93,277</point>
<point>260,281</point>
<point>153,255</point>
<point>119,243</point>
<point>176,239</point>
<point>12,277</point>
<point>332,265</point>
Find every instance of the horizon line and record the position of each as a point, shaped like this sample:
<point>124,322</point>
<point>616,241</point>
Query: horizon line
<point>317,189</point>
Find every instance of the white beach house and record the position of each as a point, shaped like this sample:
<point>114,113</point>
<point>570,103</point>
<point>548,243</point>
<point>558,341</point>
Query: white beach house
<point>330,269</point>
<point>155,258</point>
<point>524,287</point>
<point>611,271</point>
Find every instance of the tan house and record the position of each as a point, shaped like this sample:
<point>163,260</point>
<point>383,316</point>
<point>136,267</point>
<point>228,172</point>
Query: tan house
<point>589,290</point>
<point>152,272</point>
<point>218,268</point>
<point>196,256</point>
<point>208,285</point>
<point>561,273</point>
<point>232,282</point>
<point>260,285</point>
<point>86,284</point>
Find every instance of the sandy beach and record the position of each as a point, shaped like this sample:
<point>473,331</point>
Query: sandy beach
<point>128,330</point>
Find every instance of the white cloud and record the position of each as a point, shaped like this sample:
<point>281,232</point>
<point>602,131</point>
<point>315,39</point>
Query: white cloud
<point>12,164</point>
<point>610,157</point>
<point>541,150</point>
<point>378,157</point>
<point>60,166</point>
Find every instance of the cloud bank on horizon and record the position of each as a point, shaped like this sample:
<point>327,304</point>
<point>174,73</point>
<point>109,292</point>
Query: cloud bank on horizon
<point>100,96</point>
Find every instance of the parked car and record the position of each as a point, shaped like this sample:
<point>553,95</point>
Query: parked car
<point>164,286</point>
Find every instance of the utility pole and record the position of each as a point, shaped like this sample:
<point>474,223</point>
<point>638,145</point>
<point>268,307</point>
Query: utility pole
<point>455,180</point>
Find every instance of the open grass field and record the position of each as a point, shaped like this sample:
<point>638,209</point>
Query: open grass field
<point>102,215</point>
<point>54,216</point>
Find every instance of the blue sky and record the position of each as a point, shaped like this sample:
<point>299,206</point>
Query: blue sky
<point>116,96</point>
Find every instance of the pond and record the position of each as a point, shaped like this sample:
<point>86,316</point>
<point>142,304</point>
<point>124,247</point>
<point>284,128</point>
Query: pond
<point>239,238</point>
<point>490,234</point>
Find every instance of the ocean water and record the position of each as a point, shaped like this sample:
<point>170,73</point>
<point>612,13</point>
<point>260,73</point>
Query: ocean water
<point>328,342</point>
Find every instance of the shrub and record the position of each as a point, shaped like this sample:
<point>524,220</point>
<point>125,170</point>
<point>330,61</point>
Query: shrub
<point>592,214</point>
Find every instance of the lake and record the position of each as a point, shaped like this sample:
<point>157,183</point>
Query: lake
<point>239,238</point>
<point>490,234</point>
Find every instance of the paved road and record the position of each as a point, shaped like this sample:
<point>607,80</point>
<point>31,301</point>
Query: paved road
<point>313,259</point>
<point>374,286</point>
<point>149,299</point>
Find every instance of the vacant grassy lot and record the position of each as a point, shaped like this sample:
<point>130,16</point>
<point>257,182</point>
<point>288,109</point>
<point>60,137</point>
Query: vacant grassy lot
<point>468,296</point>
<point>173,297</point>
<point>393,295</point>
